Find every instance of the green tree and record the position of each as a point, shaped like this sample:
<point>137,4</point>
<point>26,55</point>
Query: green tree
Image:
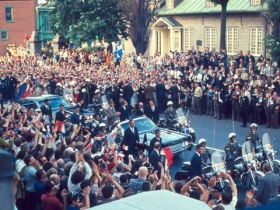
<point>84,20</point>
<point>272,16</point>
<point>223,4</point>
<point>139,15</point>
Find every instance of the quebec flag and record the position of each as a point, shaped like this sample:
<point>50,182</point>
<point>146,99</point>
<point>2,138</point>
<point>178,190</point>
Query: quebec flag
<point>119,50</point>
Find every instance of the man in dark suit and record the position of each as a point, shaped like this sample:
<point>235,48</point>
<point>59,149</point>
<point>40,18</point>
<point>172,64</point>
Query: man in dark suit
<point>77,118</point>
<point>157,138</point>
<point>268,185</point>
<point>127,92</point>
<point>244,108</point>
<point>155,158</point>
<point>130,139</point>
<point>61,114</point>
<point>152,112</point>
<point>275,201</point>
<point>47,111</point>
<point>148,91</point>
<point>160,90</point>
<point>174,92</point>
<point>140,112</point>
<point>11,86</point>
<point>125,111</point>
<point>196,163</point>
<point>270,104</point>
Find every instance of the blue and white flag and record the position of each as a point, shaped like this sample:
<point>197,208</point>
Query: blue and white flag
<point>119,51</point>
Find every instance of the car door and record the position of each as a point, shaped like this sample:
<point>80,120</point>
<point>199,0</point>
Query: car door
<point>29,104</point>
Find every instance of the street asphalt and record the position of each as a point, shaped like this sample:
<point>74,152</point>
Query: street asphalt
<point>216,133</point>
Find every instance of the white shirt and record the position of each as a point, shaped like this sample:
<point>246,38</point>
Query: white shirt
<point>231,205</point>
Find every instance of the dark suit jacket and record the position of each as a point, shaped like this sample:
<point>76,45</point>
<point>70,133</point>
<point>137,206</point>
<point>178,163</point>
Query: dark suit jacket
<point>196,166</point>
<point>268,187</point>
<point>154,160</point>
<point>46,111</point>
<point>274,201</point>
<point>271,107</point>
<point>130,139</point>
<point>124,113</point>
<point>76,119</point>
<point>149,92</point>
<point>153,115</point>
<point>152,144</point>
<point>140,113</point>
<point>160,89</point>
<point>174,91</point>
<point>127,93</point>
<point>60,116</point>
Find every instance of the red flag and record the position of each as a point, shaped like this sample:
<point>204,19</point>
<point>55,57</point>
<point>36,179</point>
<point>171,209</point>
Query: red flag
<point>169,155</point>
<point>27,92</point>
<point>60,127</point>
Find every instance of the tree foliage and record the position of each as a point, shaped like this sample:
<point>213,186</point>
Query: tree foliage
<point>86,20</point>
<point>139,15</point>
<point>272,16</point>
<point>224,4</point>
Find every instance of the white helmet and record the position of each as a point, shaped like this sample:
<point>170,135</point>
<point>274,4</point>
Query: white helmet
<point>254,125</point>
<point>169,103</point>
<point>202,141</point>
<point>102,125</point>
<point>231,135</point>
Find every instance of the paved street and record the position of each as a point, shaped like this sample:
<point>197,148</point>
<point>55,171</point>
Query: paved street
<point>216,133</point>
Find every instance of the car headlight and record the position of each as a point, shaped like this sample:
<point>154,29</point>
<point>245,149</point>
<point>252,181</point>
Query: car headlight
<point>87,117</point>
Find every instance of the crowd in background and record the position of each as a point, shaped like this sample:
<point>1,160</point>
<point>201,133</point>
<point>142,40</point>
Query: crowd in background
<point>66,172</point>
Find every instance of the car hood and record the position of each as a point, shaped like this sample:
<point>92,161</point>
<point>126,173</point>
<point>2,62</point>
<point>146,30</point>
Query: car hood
<point>168,137</point>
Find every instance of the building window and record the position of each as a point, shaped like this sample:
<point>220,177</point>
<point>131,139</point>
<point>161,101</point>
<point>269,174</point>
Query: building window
<point>3,34</point>
<point>9,14</point>
<point>47,25</point>
<point>176,40</point>
<point>188,38</point>
<point>256,41</point>
<point>232,40</point>
<point>209,3</point>
<point>255,2</point>
<point>210,38</point>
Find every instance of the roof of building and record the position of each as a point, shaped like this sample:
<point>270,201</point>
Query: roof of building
<point>170,21</point>
<point>186,7</point>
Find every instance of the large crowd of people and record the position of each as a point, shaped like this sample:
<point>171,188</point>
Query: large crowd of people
<point>64,170</point>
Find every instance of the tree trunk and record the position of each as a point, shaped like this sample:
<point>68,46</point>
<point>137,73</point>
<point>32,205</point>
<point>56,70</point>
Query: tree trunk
<point>223,26</point>
<point>276,28</point>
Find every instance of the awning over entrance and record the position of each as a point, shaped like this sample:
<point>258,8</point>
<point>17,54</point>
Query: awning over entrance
<point>169,21</point>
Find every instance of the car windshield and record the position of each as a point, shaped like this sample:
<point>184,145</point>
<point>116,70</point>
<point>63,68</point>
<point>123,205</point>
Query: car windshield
<point>55,102</point>
<point>142,124</point>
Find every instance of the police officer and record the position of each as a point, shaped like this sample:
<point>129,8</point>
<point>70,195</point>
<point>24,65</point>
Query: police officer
<point>170,114</point>
<point>244,108</point>
<point>206,155</point>
<point>253,136</point>
<point>232,151</point>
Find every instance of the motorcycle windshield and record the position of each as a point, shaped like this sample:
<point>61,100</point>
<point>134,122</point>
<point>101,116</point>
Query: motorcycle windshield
<point>218,161</point>
<point>247,151</point>
<point>181,115</point>
<point>105,99</point>
<point>267,142</point>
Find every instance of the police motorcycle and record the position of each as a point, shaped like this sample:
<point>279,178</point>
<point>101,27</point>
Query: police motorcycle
<point>219,165</point>
<point>270,153</point>
<point>184,124</point>
<point>253,176</point>
<point>235,163</point>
